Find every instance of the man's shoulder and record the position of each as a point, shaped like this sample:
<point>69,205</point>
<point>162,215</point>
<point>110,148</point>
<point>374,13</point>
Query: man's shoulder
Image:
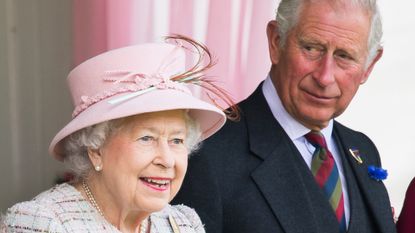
<point>354,139</point>
<point>251,108</point>
<point>233,132</point>
<point>348,132</point>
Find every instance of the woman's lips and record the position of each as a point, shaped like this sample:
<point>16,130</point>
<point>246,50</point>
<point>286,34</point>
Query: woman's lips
<point>156,183</point>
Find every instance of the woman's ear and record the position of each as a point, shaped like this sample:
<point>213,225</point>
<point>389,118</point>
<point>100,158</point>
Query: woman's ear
<point>273,41</point>
<point>95,158</point>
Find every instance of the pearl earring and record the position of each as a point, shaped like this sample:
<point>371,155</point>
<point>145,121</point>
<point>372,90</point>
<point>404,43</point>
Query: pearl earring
<point>98,168</point>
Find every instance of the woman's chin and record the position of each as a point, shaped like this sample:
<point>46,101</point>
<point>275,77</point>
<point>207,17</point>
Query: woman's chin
<point>152,204</point>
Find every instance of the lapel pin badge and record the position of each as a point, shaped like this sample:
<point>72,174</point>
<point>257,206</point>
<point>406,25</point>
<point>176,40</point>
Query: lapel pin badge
<point>356,155</point>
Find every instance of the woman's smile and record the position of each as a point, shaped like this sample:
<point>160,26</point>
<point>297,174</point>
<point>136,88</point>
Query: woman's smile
<point>156,183</point>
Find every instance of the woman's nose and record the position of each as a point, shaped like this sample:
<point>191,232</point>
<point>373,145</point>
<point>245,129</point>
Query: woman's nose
<point>165,156</point>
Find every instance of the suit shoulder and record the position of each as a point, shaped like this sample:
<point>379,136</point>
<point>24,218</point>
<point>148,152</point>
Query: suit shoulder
<point>357,140</point>
<point>254,106</point>
<point>351,133</point>
<point>234,127</point>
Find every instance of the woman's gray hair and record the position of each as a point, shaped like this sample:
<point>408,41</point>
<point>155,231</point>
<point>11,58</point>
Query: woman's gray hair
<point>288,13</point>
<point>93,137</point>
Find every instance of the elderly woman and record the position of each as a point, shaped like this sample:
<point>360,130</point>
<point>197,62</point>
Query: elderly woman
<point>134,124</point>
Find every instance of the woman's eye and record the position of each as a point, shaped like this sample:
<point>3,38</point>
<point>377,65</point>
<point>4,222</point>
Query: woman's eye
<point>146,140</point>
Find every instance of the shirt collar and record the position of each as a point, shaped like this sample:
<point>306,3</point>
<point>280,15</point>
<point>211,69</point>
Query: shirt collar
<point>293,128</point>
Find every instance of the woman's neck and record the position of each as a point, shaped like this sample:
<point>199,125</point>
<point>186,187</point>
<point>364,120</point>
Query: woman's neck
<point>123,218</point>
<point>134,223</point>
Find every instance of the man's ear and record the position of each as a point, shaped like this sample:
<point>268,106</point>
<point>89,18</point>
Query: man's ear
<point>273,41</point>
<point>369,69</point>
<point>95,158</point>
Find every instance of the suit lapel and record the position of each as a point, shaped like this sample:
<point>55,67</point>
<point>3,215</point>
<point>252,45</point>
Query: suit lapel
<point>278,177</point>
<point>373,192</point>
<point>283,189</point>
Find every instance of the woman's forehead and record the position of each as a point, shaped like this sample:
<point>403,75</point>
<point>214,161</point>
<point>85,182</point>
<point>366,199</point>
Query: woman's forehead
<point>173,119</point>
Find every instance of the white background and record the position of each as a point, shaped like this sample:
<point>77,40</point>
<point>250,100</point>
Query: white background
<point>384,107</point>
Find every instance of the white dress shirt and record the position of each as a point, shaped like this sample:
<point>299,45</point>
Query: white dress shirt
<point>296,132</point>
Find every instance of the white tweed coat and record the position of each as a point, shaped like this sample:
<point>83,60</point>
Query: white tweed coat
<point>63,209</point>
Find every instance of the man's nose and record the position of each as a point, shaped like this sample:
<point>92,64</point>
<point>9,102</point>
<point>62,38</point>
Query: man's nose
<point>324,73</point>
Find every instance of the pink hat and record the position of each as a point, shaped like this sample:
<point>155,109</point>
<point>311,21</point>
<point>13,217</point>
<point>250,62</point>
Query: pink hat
<point>129,81</point>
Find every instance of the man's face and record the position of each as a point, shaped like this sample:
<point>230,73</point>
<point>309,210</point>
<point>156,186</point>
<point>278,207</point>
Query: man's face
<point>322,64</point>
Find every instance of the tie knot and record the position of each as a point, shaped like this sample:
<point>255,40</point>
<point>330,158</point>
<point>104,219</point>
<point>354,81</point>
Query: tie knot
<point>316,138</point>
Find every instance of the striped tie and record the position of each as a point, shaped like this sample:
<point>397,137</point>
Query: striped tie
<point>327,176</point>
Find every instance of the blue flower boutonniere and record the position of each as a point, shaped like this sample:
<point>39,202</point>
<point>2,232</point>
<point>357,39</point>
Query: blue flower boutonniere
<point>377,173</point>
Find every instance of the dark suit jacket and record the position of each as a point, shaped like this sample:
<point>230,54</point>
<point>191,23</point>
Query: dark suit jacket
<point>406,221</point>
<point>249,177</point>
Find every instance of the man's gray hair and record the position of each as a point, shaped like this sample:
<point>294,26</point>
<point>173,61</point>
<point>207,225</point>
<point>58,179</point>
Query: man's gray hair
<point>288,13</point>
<point>93,137</point>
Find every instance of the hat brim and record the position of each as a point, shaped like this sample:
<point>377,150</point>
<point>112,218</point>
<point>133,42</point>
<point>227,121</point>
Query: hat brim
<point>209,117</point>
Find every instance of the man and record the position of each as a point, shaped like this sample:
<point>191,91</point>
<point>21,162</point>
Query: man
<point>287,166</point>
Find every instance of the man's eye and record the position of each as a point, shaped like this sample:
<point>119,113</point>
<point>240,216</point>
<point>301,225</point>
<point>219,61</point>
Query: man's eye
<point>310,48</point>
<point>344,56</point>
<point>177,141</point>
<point>312,51</point>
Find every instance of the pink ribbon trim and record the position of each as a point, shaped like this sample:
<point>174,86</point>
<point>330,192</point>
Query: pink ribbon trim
<point>128,81</point>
